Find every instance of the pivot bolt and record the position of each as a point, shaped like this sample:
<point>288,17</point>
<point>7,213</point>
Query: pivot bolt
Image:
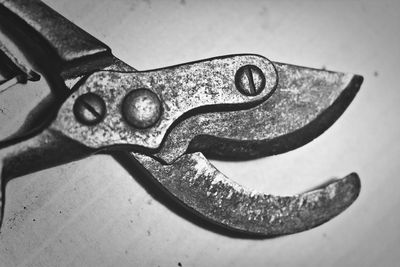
<point>89,109</point>
<point>250,80</point>
<point>141,108</point>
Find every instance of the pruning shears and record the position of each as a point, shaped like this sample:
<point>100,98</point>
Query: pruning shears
<point>166,122</point>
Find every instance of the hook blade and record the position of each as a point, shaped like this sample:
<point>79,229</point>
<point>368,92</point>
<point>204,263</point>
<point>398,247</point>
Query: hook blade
<point>197,184</point>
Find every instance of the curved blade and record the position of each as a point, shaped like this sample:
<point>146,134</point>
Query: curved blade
<point>202,188</point>
<point>305,103</point>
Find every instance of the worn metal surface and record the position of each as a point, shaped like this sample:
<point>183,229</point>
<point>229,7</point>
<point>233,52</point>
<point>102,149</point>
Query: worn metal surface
<point>201,187</point>
<point>207,106</point>
<point>191,178</point>
<point>207,85</point>
<point>89,109</point>
<point>141,108</point>
<point>305,103</point>
<point>250,80</point>
<point>72,50</point>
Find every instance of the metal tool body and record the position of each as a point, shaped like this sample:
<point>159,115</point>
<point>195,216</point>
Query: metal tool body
<point>233,107</point>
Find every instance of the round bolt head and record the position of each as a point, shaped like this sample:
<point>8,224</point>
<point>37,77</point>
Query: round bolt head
<point>89,109</point>
<point>141,108</point>
<point>250,80</point>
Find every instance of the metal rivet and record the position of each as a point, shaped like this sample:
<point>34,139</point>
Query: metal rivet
<point>141,108</point>
<point>89,109</point>
<point>250,80</point>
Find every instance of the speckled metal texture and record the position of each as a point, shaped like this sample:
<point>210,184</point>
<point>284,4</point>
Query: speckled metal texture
<point>302,98</point>
<point>141,108</point>
<point>207,85</point>
<point>203,110</point>
<point>305,103</point>
<point>199,186</point>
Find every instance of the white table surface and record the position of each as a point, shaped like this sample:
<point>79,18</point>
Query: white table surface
<point>93,213</point>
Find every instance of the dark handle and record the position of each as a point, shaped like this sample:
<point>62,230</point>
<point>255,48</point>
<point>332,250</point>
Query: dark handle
<point>74,50</point>
<point>34,153</point>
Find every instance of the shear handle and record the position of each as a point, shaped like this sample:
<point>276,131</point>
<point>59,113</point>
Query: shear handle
<point>72,50</point>
<point>43,150</point>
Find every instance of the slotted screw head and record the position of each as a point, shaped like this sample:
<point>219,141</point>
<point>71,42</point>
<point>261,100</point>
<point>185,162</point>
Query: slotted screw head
<point>89,109</point>
<point>141,108</point>
<point>250,80</point>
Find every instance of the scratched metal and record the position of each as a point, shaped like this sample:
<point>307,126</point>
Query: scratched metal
<point>305,103</point>
<point>72,51</point>
<point>206,84</point>
<point>202,188</point>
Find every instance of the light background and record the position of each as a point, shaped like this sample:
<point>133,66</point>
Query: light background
<point>93,213</point>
